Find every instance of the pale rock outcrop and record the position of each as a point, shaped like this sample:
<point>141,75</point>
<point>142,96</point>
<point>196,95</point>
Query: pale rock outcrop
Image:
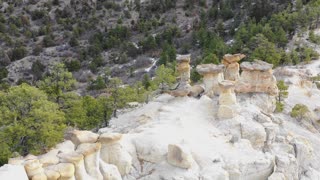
<point>277,176</point>
<point>227,100</point>
<point>77,160</point>
<point>65,147</point>
<point>257,77</point>
<point>288,166</point>
<point>271,132</point>
<point>232,66</point>
<point>11,172</point>
<point>303,151</point>
<point>150,149</point>
<point>109,171</point>
<point>91,153</point>
<point>254,132</point>
<point>78,137</point>
<point>112,152</point>
<point>41,176</point>
<point>50,158</point>
<point>33,168</point>
<point>51,174</point>
<point>66,171</point>
<point>212,75</point>
<point>21,160</point>
<point>179,156</point>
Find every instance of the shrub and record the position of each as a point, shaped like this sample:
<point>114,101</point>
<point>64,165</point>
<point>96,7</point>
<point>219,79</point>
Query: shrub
<point>3,73</point>
<point>73,65</point>
<point>299,111</point>
<point>18,53</point>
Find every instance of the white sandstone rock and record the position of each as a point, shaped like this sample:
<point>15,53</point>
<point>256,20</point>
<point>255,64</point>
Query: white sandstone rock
<point>109,171</point>
<point>112,152</point>
<point>179,156</point>
<point>91,153</point>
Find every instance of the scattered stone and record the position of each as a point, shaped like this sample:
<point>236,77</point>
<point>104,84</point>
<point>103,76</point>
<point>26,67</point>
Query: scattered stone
<point>179,156</point>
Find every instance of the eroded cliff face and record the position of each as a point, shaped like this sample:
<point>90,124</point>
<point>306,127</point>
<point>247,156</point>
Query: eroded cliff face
<point>184,138</point>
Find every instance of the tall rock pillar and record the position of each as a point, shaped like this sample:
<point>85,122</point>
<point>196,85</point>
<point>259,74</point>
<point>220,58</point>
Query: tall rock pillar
<point>183,68</point>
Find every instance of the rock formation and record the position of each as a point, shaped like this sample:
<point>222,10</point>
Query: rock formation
<point>112,152</point>
<point>232,66</point>
<point>212,75</point>
<point>257,77</point>
<point>227,100</point>
<point>183,68</point>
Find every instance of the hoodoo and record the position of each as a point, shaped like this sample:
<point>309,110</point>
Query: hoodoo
<point>227,100</point>
<point>212,75</point>
<point>257,76</point>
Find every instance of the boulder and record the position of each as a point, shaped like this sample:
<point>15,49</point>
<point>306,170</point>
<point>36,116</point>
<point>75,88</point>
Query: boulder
<point>179,156</point>
<point>196,91</point>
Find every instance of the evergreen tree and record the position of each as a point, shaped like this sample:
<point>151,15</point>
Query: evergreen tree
<point>283,93</point>
<point>59,81</point>
<point>29,122</point>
